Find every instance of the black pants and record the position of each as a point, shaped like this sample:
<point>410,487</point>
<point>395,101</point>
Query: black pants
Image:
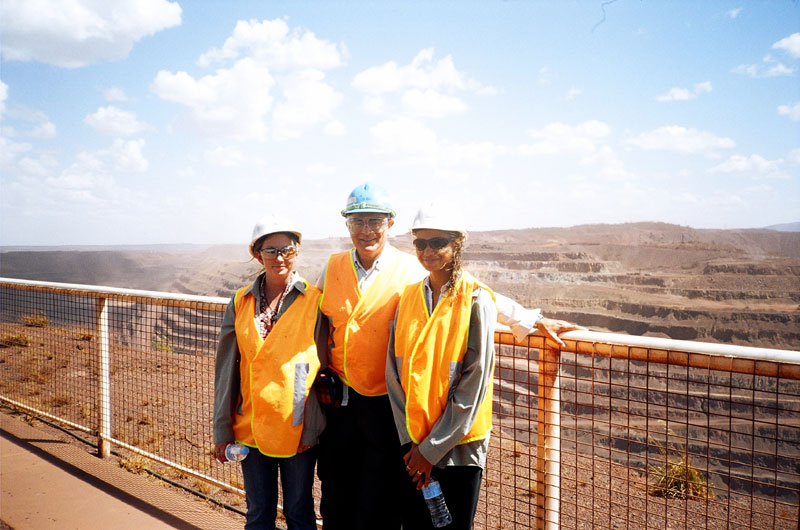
<point>361,467</point>
<point>461,486</point>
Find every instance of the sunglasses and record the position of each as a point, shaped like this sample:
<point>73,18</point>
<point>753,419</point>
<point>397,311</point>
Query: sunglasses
<point>272,252</point>
<point>436,243</point>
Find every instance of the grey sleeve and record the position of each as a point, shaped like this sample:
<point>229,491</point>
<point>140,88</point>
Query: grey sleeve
<point>470,388</point>
<point>313,420</point>
<point>226,377</point>
<point>313,416</point>
<point>397,398</point>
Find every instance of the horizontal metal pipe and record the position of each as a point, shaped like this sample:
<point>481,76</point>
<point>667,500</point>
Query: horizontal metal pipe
<point>213,303</point>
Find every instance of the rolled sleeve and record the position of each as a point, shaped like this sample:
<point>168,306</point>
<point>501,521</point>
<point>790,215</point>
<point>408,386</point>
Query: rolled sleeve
<point>522,321</point>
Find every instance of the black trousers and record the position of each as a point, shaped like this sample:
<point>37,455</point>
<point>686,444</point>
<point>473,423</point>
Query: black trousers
<point>461,486</point>
<point>361,467</point>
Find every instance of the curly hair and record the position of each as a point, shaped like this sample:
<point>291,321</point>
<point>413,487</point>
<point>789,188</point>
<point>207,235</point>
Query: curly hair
<point>455,267</point>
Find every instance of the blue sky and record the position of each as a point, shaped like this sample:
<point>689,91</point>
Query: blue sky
<point>155,121</point>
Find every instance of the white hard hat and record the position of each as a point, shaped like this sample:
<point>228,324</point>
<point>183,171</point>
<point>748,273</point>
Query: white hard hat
<point>271,224</point>
<point>434,216</point>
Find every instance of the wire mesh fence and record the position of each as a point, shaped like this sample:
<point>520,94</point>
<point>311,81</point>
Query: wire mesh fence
<point>597,435</point>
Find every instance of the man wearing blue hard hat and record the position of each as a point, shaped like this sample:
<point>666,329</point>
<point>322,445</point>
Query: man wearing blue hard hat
<point>360,461</point>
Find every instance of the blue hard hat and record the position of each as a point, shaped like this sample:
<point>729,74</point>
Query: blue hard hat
<point>368,197</point>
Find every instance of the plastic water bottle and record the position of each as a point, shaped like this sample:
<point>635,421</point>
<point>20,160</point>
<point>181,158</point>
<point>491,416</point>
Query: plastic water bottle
<point>440,515</point>
<point>236,452</point>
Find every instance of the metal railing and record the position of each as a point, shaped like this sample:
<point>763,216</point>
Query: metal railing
<point>613,431</point>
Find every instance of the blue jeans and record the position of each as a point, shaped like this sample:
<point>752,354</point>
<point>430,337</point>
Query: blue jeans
<point>261,490</point>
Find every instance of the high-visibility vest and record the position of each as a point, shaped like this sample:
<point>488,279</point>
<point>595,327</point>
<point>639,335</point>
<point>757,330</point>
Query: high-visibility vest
<point>431,349</point>
<point>361,319</point>
<point>276,374</point>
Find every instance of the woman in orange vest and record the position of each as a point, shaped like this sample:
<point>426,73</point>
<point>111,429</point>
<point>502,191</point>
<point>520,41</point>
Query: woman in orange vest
<point>439,374</point>
<point>266,362</point>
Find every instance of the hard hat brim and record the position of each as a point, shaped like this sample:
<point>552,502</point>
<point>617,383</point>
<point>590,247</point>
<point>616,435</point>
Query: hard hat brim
<point>367,209</point>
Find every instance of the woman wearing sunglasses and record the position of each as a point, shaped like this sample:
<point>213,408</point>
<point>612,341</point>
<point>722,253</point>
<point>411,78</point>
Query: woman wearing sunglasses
<point>266,362</point>
<point>439,372</point>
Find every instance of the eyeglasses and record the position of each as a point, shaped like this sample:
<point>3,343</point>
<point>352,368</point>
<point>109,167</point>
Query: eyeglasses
<point>357,224</point>
<point>436,243</point>
<point>272,252</point>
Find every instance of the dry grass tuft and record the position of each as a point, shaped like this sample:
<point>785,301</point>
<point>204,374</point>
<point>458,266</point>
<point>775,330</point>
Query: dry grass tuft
<point>677,478</point>
<point>134,464</point>
<point>35,372</point>
<point>161,343</point>
<point>204,487</point>
<point>15,339</point>
<point>61,399</point>
<point>84,335</point>
<point>36,320</point>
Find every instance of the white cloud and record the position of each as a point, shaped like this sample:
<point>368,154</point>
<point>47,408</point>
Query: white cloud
<point>74,33</point>
<point>572,93</point>
<point>321,169</point>
<point>733,13</point>
<point>37,167</point>
<point>543,77</point>
<point>115,94</point>
<point>790,45</point>
<point>375,105</point>
<point>126,156</point>
<point>431,104</point>
<point>91,175</point>
<point>335,128</point>
<point>46,129</point>
<point>676,94</point>
<point>271,43</point>
<point>307,101</point>
<point>403,135</point>
<point>187,172</point>
<point>11,150</point>
<point>422,74</point>
<point>793,111</point>
<point>684,94</point>
<point>225,156</point>
<point>37,123</point>
<point>557,139</point>
<point>768,67</point>
<point>112,121</point>
<point>231,103</point>
<point>239,101</point>
<point>411,142</point>
<point>682,140</point>
<point>3,97</point>
<point>754,166</point>
<point>794,156</point>
<point>425,88</point>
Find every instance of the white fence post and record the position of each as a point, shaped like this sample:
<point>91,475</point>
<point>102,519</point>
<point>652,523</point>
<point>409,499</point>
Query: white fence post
<point>104,429</point>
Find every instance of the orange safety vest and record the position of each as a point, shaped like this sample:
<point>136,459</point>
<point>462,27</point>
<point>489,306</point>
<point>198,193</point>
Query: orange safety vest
<point>276,374</point>
<point>361,319</point>
<point>429,348</point>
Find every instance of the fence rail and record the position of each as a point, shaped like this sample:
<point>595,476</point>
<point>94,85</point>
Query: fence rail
<point>613,431</point>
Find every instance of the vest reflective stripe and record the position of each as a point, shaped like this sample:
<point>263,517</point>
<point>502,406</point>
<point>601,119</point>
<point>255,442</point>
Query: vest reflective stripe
<point>361,319</point>
<point>429,350</point>
<point>276,374</point>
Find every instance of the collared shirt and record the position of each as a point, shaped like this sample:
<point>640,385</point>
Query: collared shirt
<point>227,374</point>
<point>364,275</point>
